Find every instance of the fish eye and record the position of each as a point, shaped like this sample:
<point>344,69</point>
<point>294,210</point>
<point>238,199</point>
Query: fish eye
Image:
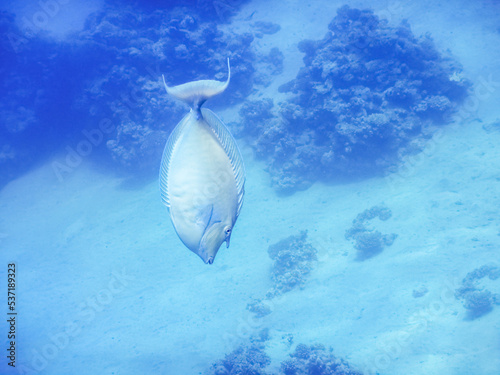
<point>227,231</point>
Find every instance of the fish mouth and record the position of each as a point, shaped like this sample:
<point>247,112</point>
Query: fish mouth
<point>210,260</point>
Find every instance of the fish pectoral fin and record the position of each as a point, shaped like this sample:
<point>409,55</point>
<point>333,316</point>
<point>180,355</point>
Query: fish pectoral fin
<point>208,217</point>
<point>205,216</point>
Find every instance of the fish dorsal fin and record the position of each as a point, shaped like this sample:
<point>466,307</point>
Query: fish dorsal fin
<point>232,151</point>
<point>197,92</point>
<point>167,155</point>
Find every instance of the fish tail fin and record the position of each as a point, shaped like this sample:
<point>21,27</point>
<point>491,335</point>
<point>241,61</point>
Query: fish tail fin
<point>197,92</point>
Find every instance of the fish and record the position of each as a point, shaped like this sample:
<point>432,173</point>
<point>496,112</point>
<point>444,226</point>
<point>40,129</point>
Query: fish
<point>202,174</point>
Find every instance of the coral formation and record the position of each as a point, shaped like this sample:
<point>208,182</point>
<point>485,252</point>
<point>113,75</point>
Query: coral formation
<point>172,41</point>
<point>259,308</point>
<point>124,49</point>
<point>251,359</point>
<point>293,261</point>
<point>369,242</point>
<point>368,94</point>
<point>476,300</point>
<point>268,67</point>
<point>317,360</point>
<point>248,359</point>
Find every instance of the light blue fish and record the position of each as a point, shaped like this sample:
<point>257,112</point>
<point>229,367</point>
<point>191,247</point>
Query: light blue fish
<point>202,176</point>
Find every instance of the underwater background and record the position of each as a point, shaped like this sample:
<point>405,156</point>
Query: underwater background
<point>369,238</point>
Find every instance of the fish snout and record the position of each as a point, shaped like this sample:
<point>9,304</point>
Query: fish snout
<point>210,260</point>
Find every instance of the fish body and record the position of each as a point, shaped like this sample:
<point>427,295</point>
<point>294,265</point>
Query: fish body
<point>202,174</point>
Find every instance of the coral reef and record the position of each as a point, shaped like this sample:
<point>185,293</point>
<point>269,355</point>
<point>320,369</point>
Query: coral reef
<point>317,360</point>
<point>248,359</point>
<point>293,261</point>
<point>368,94</point>
<point>369,242</point>
<point>251,359</point>
<point>476,300</point>
<point>124,49</point>
<point>259,308</point>
<point>268,67</point>
<point>176,42</point>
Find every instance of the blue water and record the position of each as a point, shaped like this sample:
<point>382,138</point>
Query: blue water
<point>368,239</point>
